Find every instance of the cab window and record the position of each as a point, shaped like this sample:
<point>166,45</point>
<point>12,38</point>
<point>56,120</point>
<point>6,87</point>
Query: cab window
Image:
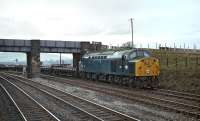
<point>133,55</point>
<point>146,54</point>
<point>140,53</point>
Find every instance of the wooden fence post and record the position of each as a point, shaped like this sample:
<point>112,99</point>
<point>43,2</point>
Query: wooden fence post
<point>176,61</point>
<point>186,61</point>
<point>167,61</point>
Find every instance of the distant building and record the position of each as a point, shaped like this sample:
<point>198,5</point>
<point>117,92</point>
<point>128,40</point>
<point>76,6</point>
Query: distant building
<point>114,47</point>
<point>104,47</point>
<point>94,46</point>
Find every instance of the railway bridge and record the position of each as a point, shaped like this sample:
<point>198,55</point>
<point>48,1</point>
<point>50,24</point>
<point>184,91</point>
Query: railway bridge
<point>33,48</point>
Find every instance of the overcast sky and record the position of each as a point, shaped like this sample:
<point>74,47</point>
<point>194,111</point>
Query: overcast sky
<point>155,21</point>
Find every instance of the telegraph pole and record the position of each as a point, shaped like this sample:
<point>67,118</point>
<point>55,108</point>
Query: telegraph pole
<point>132,31</point>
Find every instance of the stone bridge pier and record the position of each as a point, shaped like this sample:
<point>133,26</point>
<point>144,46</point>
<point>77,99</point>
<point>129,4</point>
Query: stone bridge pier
<point>33,60</point>
<point>76,59</point>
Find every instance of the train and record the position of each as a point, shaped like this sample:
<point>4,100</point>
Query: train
<point>133,67</point>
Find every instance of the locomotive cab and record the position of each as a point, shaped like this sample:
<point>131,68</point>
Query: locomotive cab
<point>144,69</point>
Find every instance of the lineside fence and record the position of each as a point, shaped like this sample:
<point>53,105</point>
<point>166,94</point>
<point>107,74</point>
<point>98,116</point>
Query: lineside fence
<point>178,61</point>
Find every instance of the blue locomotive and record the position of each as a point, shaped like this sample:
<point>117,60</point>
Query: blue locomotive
<point>131,67</point>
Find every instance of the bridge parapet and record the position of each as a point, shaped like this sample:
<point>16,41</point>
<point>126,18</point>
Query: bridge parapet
<point>46,46</point>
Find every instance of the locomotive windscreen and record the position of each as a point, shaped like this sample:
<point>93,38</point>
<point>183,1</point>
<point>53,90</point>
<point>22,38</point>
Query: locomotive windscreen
<point>139,53</point>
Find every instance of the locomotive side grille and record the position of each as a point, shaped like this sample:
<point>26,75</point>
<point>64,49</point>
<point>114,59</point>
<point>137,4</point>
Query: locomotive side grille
<point>113,66</point>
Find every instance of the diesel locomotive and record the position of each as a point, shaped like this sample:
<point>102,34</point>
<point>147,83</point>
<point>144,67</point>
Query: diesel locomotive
<point>136,68</point>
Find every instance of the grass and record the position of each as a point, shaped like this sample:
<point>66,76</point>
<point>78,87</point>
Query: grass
<point>179,71</point>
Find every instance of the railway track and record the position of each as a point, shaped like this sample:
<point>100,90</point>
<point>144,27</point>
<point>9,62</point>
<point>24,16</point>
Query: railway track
<point>100,112</point>
<point>29,108</point>
<point>170,93</point>
<point>75,111</point>
<point>184,95</point>
<point>138,95</point>
<point>8,108</point>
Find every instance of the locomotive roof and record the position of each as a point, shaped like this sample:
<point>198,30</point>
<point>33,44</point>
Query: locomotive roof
<point>109,54</point>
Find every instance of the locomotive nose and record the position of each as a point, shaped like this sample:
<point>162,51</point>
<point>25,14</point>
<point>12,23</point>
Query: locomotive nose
<point>147,67</point>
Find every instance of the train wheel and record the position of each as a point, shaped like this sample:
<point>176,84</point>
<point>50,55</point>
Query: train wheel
<point>153,82</point>
<point>84,75</point>
<point>121,80</point>
<point>156,84</point>
<point>97,77</point>
<point>112,79</point>
<point>107,78</point>
<point>137,82</point>
<point>130,83</point>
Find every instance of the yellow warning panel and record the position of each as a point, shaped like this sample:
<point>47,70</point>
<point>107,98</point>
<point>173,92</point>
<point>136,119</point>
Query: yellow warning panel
<point>148,66</point>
